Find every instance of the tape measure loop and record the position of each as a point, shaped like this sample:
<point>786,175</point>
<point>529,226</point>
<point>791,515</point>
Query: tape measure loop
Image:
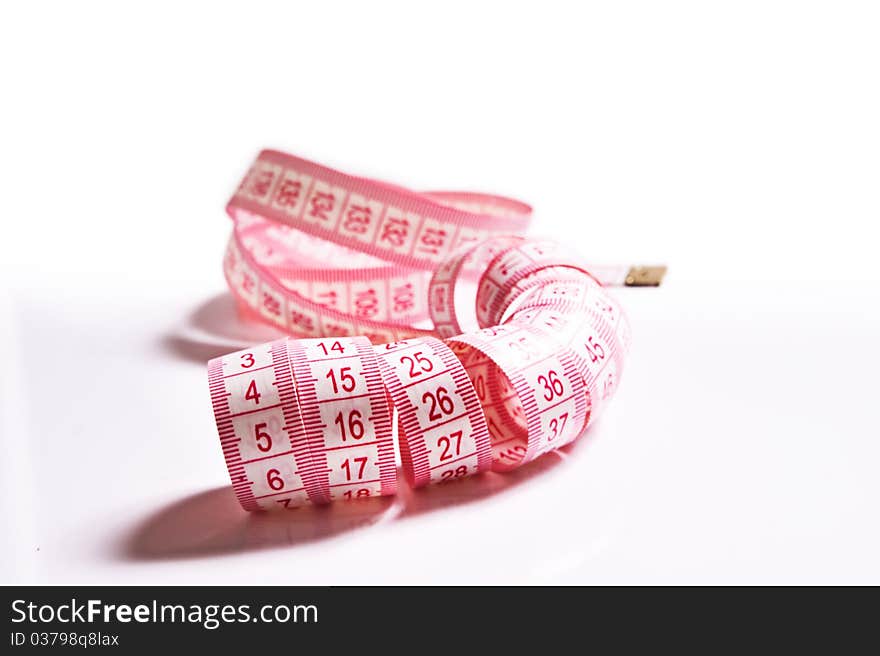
<point>353,268</point>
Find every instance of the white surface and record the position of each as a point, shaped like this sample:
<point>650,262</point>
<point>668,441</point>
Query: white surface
<point>739,145</point>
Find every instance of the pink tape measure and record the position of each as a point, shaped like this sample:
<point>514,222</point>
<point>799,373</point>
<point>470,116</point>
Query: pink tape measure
<point>368,276</point>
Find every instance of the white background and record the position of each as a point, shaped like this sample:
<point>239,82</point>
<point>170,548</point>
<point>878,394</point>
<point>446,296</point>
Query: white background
<point>737,142</point>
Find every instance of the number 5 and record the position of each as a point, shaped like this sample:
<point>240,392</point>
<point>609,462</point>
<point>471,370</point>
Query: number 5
<point>260,434</point>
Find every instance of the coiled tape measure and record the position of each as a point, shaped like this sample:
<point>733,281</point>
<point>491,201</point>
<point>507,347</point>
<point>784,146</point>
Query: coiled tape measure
<point>368,277</point>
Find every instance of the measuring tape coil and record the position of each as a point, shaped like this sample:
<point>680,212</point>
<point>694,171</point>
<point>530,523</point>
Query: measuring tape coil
<point>308,419</point>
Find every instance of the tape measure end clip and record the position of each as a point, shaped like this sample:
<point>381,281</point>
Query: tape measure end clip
<point>645,276</point>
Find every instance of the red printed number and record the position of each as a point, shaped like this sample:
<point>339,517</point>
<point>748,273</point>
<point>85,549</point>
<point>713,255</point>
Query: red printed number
<point>336,347</point>
<point>263,439</point>
<point>357,219</point>
<point>355,425</point>
<point>394,231</point>
<point>595,350</point>
<point>252,394</point>
<point>523,347</point>
<point>349,467</point>
<point>271,304</point>
<point>330,297</point>
<point>432,241</point>
<point>321,203</point>
<point>608,385</point>
<point>346,380</point>
<point>557,425</point>
<point>366,304</point>
<point>458,472</point>
<point>441,403</point>
<point>273,478</point>
<point>447,441</point>
<point>288,192</point>
<point>261,183</point>
<point>552,385</point>
<point>480,386</point>
<point>404,298</point>
<point>424,364</point>
<point>299,319</point>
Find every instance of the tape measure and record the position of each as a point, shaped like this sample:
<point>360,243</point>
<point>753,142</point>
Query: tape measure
<point>368,279</point>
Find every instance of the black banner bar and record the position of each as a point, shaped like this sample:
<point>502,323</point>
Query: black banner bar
<point>372,620</point>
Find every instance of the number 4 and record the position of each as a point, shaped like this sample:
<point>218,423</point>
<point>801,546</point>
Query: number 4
<point>252,394</point>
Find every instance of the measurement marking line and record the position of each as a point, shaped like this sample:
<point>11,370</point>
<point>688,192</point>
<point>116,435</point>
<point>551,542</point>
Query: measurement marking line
<point>250,412</point>
<point>247,371</point>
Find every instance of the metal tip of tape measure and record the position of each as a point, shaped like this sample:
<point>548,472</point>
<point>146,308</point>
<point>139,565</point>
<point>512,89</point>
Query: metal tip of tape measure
<point>645,276</point>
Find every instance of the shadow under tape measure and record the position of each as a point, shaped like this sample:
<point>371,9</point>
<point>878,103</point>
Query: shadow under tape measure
<point>214,328</point>
<point>212,523</point>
